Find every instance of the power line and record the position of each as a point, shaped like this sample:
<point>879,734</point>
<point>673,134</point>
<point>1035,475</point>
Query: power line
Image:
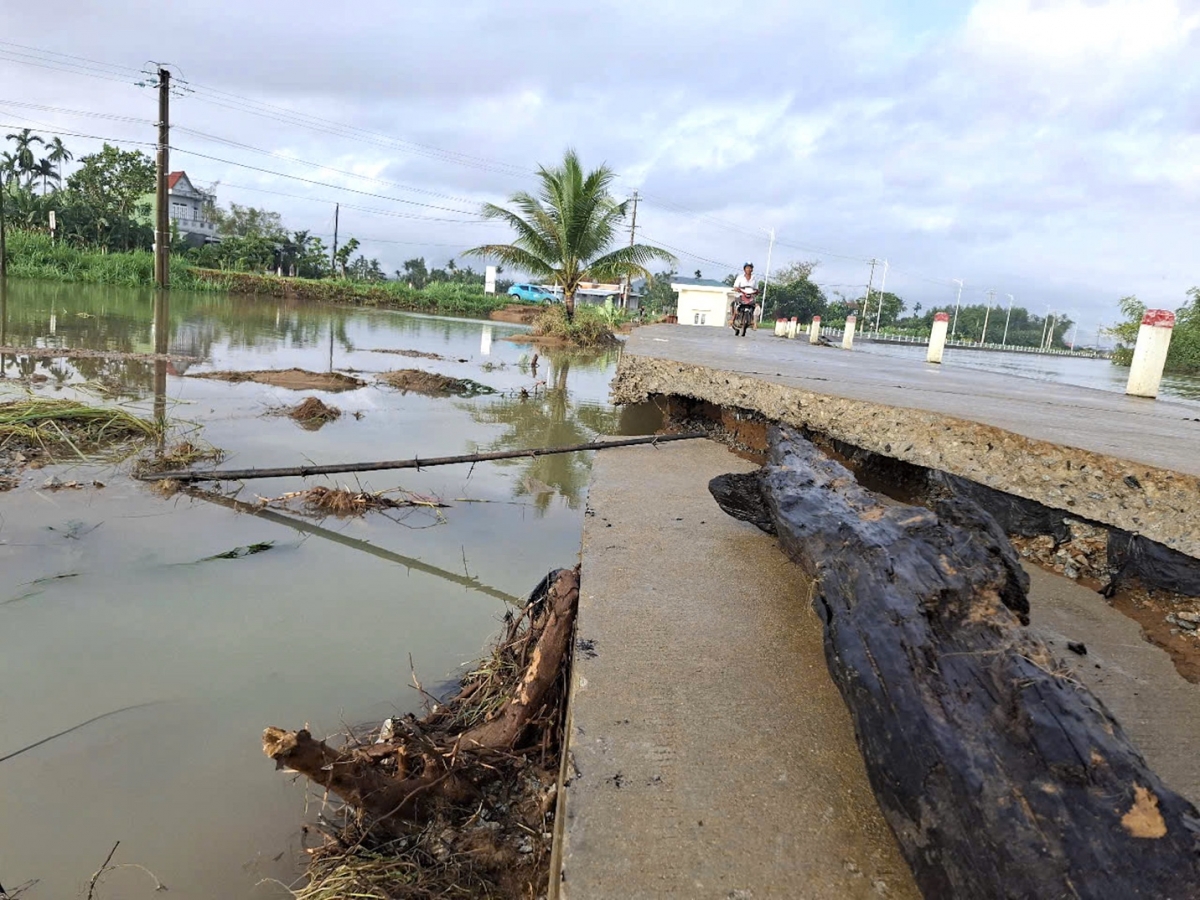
<point>76,112</point>
<point>366,209</point>
<point>328,168</point>
<point>94,137</point>
<point>687,253</point>
<point>313,181</point>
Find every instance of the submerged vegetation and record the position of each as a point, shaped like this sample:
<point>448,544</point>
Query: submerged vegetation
<point>432,384</point>
<point>66,429</point>
<point>1184,354</point>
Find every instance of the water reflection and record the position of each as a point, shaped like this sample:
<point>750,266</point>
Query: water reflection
<point>550,417</point>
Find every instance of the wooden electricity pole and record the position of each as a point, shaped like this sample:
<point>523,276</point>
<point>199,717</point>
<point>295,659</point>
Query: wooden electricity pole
<point>337,208</point>
<point>162,225</point>
<point>3,247</point>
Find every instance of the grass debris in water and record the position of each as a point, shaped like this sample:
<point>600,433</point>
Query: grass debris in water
<point>240,552</point>
<point>327,501</point>
<point>64,429</point>
<point>432,384</point>
<point>310,413</point>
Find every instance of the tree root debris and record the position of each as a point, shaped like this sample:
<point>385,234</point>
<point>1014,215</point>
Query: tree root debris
<point>459,803</point>
<point>432,384</point>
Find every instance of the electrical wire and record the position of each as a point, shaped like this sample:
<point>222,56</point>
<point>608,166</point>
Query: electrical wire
<point>688,253</point>
<point>313,181</point>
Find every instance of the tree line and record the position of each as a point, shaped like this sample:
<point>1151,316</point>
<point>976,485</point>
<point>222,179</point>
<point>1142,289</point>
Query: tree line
<point>792,292</point>
<point>106,204</point>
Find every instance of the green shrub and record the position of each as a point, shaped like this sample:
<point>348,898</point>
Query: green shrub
<point>590,327</point>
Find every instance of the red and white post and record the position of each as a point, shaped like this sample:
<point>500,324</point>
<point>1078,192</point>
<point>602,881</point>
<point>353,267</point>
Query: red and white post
<point>848,334</point>
<point>937,337</point>
<point>792,325</point>
<point>780,327</point>
<point>1150,353</point>
<point>814,330</point>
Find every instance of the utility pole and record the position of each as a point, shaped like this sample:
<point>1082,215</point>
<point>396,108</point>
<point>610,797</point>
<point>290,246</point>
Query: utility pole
<point>882,292</point>
<point>3,248</point>
<point>632,236</point>
<point>1004,341</point>
<point>1049,342</point>
<point>991,295</point>
<point>337,207</point>
<point>767,279</point>
<point>162,235</point>
<point>870,283</point>
<point>957,301</point>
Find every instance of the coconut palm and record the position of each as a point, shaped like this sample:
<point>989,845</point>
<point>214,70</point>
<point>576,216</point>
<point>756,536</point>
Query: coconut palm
<point>58,155</point>
<point>564,234</point>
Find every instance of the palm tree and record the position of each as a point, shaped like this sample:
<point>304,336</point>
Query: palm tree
<point>44,170</point>
<point>564,234</point>
<point>58,155</point>
<point>25,139</point>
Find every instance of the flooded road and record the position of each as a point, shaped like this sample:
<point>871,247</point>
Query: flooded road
<point>108,600</point>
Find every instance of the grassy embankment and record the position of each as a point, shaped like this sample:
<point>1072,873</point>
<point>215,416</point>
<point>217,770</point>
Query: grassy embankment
<point>34,256</point>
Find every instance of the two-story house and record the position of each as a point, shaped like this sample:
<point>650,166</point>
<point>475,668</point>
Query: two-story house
<point>187,211</point>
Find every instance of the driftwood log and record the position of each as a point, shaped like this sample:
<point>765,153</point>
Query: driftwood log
<point>1000,775</point>
<point>431,762</point>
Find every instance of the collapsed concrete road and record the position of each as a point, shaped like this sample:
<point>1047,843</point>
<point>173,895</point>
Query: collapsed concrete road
<point>1125,462</point>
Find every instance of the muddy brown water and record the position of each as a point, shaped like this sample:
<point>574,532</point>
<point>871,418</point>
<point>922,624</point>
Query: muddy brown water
<point>105,602</point>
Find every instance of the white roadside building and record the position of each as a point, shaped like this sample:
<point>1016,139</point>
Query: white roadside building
<point>702,301</point>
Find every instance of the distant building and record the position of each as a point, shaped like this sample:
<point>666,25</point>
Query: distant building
<point>598,293</point>
<point>186,203</point>
<point>702,301</point>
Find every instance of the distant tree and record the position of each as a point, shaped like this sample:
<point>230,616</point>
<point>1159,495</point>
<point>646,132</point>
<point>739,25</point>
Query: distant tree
<point>415,272</point>
<point>793,293</point>
<point>658,297</point>
<point>58,155</point>
<point>884,304</point>
<point>344,252</point>
<point>45,170</point>
<point>698,275</point>
<point>243,221</point>
<point>564,234</point>
<point>25,161</point>
<point>106,192</point>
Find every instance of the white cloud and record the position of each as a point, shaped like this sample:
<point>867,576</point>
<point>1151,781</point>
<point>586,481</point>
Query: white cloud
<point>1068,33</point>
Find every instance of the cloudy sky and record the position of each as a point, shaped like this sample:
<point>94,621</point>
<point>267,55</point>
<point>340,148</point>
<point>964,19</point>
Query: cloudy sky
<point>1048,149</point>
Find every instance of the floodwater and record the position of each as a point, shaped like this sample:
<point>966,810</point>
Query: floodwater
<point>107,601</point>
<point>1092,373</point>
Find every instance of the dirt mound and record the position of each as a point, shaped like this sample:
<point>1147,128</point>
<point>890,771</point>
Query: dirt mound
<point>518,313</point>
<point>432,384</point>
<point>311,413</point>
<point>292,379</point>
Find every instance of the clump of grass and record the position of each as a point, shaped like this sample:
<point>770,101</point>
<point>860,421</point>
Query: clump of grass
<point>182,455</point>
<point>311,413</point>
<point>432,384</point>
<point>589,328</point>
<point>59,429</point>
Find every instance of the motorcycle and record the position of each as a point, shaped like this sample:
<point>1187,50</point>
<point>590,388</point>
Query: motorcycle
<point>743,316</point>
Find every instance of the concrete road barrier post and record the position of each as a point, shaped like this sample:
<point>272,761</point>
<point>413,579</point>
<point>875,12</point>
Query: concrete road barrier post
<point>848,334</point>
<point>937,337</point>
<point>1150,353</point>
<point>780,328</point>
<point>814,331</point>
<point>793,324</point>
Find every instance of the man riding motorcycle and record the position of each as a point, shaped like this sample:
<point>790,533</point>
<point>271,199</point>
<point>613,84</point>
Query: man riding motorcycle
<point>747,295</point>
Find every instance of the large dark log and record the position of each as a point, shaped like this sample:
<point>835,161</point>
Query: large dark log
<point>1000,775</point>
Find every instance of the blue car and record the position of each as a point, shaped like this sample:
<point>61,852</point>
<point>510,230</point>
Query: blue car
<point>531,293</point>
